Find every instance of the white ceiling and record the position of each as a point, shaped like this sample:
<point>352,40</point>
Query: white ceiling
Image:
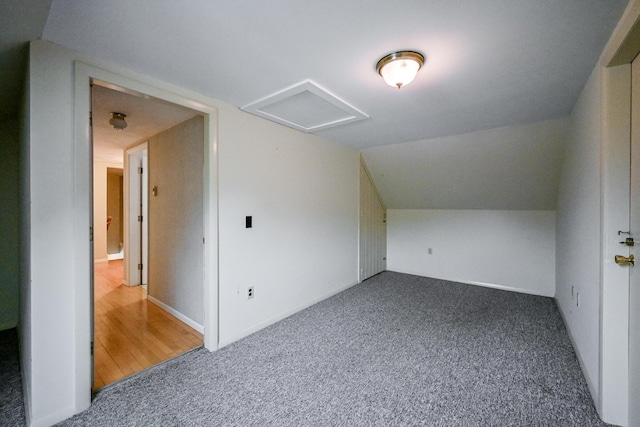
<point>145,117</point>
<point>490,64</point>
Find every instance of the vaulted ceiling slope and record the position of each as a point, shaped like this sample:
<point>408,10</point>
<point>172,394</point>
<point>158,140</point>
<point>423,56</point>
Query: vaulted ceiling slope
<point>509,168</point>
<point>489,63</point>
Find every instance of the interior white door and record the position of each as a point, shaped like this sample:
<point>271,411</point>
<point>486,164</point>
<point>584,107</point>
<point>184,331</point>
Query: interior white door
<point>634,273</point>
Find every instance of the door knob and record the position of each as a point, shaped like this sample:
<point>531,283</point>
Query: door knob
<point>622,260</point>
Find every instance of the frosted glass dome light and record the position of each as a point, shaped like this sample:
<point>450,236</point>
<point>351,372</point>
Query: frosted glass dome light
<point>117,121</point>
<point>400,68</point>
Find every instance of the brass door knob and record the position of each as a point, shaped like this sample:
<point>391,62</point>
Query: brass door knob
<point>623,260</point>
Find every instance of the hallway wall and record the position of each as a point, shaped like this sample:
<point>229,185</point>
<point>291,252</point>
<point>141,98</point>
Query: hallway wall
<point>100,253</point>
<point>176,223</point>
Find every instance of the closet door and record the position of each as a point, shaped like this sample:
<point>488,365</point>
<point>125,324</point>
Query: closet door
<point>373,228</point>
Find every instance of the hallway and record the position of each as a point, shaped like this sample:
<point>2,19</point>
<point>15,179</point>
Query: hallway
<point>132,334</point>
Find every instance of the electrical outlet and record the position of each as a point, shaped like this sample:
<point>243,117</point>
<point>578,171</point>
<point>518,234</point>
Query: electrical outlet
<point>250,292</point>
<point>430,251</point>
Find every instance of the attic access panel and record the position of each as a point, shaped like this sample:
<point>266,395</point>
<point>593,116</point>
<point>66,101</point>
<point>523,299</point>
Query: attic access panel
<point>306,107</point>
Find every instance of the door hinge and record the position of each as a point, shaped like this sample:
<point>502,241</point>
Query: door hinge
<point>140,171</point>
<point>139,266</point>
<point>90,118</point>
<point>92,348</point>
<point>91,234</point>
<point>139,218</point>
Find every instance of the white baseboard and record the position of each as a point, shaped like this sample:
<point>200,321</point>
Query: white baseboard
<point>483,284</point>
<point>592,388</point>
<point>53,418</point>
<point>111,257</point>
<point>175,313</point>
<point>226,341</point>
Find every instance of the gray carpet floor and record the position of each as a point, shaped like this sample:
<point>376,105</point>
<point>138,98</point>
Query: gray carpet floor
<point>11,396</point>
<point>396,350</point>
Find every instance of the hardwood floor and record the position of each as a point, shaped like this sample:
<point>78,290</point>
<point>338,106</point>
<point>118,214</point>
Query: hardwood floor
<point>131,333</point>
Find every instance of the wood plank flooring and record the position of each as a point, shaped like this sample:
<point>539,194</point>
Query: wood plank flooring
<point>131,333</point>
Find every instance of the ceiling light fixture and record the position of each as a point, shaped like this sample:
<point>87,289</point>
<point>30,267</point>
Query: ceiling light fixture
<point>117,121</point>
<point>400,68</point>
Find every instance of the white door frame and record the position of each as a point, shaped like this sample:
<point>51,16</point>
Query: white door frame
<point>132,237</point>
<point>85,74</point>
<point>624,45</point>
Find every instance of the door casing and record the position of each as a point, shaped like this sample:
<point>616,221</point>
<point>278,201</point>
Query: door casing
<point>135,239</point>
<point>85,75</point>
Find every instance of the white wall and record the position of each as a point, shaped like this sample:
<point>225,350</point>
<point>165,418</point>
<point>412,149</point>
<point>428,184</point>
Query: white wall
<point>47,326</point>
<point>512,250</point>
<point>9,223</point>
<point>578,230</point>
<point>302,193</point>
<point>176,223</point>
<point>301,190</point>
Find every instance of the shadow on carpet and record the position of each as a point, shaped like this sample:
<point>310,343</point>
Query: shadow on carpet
<point>11,396</point>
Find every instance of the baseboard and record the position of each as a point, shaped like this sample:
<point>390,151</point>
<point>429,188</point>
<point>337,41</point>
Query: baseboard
<point>592,388</point>
<point>226,341</point>
<point>483,284</point>
<point>52,419</point>
<point>175,313</point>
<point>111,257</point>
<point>101,260</point>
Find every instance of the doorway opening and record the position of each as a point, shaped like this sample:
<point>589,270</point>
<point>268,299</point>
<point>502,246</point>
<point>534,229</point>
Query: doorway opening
<point>148,264</point>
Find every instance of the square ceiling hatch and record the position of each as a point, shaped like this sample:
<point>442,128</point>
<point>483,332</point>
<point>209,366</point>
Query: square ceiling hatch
<point>306,107</point>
